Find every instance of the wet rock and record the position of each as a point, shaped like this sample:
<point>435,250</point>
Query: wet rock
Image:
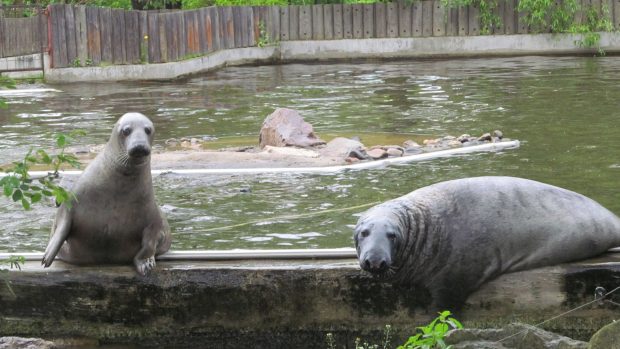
<point>430,141</point>
<point>498,134</point>
<point>410,144</point>
<point>411,147</point>
<point>352,160</point>
<point>529,337</point>
<point>377,153</point>
<point>341,147</point>
<point>485,137</point>
<point>607,337</point>
<point>454,143</point>
<point>464,138</point>
<point>285,127</point>
<point>395,152</point>
<point>25,343</point>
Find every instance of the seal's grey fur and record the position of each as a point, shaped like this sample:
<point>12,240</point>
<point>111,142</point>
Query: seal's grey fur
<point>114,218</point>
<point>453,236</point>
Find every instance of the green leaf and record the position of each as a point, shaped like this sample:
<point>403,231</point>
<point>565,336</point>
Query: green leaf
<point>47,193</point>
<point>36,197</point>
<point>17,195</point>
<point>61,140</point>
<point>8,189</point>
<point>45,158</point>
<point>24,187</point>
<point>25,204</point>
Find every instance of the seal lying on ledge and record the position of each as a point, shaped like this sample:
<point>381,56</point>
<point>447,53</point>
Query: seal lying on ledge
<point>114,219</point>
<point>452,237</point>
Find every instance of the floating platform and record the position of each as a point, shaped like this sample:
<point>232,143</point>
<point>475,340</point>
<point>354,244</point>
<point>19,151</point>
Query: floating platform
<point>279,299</point>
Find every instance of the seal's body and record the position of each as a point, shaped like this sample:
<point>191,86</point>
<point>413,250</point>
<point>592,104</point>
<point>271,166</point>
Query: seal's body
<point>114,218</point>
<point>453,236</point>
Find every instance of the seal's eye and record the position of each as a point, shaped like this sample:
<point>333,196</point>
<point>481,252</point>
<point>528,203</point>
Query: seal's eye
<point>126,131</point>
<point>391,236</point>
<point>365,233</point>
<point>147,130</point>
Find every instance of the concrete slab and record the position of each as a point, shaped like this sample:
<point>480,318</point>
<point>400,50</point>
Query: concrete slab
<point>283,303</point>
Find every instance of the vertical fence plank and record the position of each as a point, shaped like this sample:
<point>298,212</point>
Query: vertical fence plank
<point>80,33</point>
<point>328,21</point>
<point>347,21</point>
<point>404,19</point>
<point>380,20</point>
<point>318,27</point>
<point>144,36</point>
<point>274,23</point>
<point>238,24</point>
<point>293,25</point>
<point>522,26</point>
<point>463,20</point>
<point>452,21</point>
<point>118,31</point>
<point>154,51</point>
<point>305,22</point>
<point>228,34</point>
<point>201,34</point>
<point>338,21</point>
<point>216,28</point>
<point>93,35</point>
<point>499,11</point>
<point>427,17</point>
<point>208,36</point>
<point>509,19</point>
<point>369,20</point>
<point>358,21</point>
<point>474,20</point>
<point>392,19</point>
<point>250,25</point>
<point>71,42</point>
<point>616,14</point>
<point>166,26</point>
<point>181,36</point>
<point>416,19</point>
<point>284,23</point>
<point>59,48</point>
<point>132,37</point>
<point>439,19</point>
<point>105,18</point>
<point>260,19</point>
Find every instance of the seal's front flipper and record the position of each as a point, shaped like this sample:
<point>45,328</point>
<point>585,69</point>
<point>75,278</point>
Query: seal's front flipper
<point>60,232</point>
<point>145,258</point>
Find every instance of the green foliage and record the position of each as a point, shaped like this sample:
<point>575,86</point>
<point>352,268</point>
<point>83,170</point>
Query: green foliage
<point>8,83</point>
<point>263,38</point>
<point>488,19</point>
<point>432,335</point>
<point>144,50</point>
<point>20,187</point>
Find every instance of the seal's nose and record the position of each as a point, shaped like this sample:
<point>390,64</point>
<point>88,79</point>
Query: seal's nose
<point>375,264</point>
<point>139,150</point>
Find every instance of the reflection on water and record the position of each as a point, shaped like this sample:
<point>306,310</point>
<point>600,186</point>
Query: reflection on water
<point>564,110</point>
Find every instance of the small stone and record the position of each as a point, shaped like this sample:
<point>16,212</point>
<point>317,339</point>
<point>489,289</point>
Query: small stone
<point>410,144</point>
<point>172,142</point>
<point>194,141</point>
<point>463,138</point>
<point>351,160</point>
<point>454,144</point>
<point>498,134</point>
<point>395,152</point>
<point>25,343</point>
<point>448,138</point>
<point>429,141</point>
<point>377,153</point>
<point>485,137</point>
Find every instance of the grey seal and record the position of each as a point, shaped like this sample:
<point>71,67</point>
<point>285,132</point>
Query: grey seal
<point>114,218</point>
<point>453,236</point>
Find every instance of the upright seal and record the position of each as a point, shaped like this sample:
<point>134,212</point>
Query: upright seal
<point>114,218</point>
<point>453,236</point>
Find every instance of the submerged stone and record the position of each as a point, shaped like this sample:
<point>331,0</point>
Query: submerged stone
<point>285,127</point>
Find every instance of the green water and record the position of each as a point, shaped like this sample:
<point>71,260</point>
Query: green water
<point>565,111</point>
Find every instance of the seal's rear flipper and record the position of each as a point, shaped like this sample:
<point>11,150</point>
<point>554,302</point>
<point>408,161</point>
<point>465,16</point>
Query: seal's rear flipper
<point>60,231</point>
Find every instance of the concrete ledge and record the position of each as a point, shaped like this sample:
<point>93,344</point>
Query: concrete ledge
<point>308,50</point>
<point>279,303</point>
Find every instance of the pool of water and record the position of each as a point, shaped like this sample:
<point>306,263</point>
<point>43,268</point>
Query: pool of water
<point>565,110</point>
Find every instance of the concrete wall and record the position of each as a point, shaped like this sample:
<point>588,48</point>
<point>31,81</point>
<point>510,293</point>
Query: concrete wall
<point>296,51</point>
<point>279,303</point>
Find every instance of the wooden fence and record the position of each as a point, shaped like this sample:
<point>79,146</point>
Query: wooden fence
<point>23,36</point>
<point>92,35</point>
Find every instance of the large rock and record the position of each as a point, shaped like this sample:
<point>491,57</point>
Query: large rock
<point>25,343</point>
<point>607,337</point>
<point>285,127</point>
<point>513,336</point>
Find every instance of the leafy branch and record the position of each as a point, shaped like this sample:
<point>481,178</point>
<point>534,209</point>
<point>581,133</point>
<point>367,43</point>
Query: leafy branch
<point>14,262</point>
<point>19,186</point>
<point>432,335</point>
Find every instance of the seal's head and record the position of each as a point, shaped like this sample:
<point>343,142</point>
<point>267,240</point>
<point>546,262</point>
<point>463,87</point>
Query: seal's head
<point>131,140</point>
<point>378,235</point>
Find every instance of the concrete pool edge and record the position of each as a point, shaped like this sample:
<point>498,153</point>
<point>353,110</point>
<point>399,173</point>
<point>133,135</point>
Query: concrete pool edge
<point>279,302</point>
<point>317,50</point>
